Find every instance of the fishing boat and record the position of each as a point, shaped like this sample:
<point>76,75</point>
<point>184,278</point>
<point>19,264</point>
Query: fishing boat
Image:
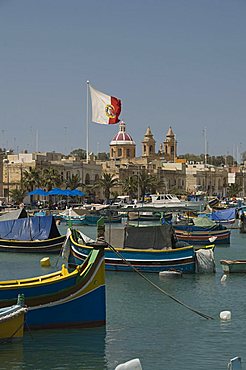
<point>203,231</point>
<point>148,248</point>
<point>226,216</point>
<point>171,201</point>
<point>12,322</point>
<point>229,266</point>
<point>148,216</point>
<point>62,299</point>
<point>90,217</point>
<point>30,234</point>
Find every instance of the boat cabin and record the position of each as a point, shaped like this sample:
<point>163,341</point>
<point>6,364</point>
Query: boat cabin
<point>164,198</point>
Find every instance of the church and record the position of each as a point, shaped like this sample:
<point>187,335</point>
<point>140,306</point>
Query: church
<point>123,147</point>
<point>162,163</point>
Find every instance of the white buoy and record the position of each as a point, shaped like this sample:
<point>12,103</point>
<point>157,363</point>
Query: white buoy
<point>170,274</point>
<point>225,315</point>
<point>223,279</point>
<point>130,365</point>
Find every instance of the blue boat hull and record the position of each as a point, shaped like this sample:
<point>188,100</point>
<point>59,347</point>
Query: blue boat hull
<point>180,259</point>
<point>62,299</point>
<point>86,311</point>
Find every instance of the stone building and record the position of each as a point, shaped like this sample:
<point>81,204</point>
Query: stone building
<point>170,146</point>
<point>15,165</point>
<point>206,178</point>
<point>148,145</point>
<point>122,164</point>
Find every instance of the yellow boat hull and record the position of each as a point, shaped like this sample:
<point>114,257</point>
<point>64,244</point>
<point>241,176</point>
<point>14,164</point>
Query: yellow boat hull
<point>12,327</point>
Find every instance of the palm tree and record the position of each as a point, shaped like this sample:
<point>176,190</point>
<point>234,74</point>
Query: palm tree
<point>145,183</point>
<point>18,195</point>
<point>51,178</point>
<point>233,190</point>
<point>107,182</point>
<point>156,185</point>
<point>31,179</point>
<point>73,182</point>
<point>130,186</point>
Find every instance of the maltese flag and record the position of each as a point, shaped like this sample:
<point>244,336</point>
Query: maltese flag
<point>105,108</point>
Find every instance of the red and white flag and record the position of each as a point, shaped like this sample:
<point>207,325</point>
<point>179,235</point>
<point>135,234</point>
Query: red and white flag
<point>105,108</point>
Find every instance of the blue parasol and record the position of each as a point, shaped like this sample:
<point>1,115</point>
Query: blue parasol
<point>55,191</point>
<point>38,192</point>
<point>77,192</point>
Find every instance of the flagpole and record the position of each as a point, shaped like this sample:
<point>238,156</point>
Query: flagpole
<point>87,123</point>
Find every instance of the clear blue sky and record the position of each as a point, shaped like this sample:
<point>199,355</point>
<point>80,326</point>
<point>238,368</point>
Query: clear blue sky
<point>172,62</point>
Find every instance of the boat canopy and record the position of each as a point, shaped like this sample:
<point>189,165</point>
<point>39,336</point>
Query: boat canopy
<point>142,237</point>
<point>203,221</point>
<point>30,228</point>
<point>14,215</point>
<point>224,214</point>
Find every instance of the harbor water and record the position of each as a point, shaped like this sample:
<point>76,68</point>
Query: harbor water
<point>142,322</point>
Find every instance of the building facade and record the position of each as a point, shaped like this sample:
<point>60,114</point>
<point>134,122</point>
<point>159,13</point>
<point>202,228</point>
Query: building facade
<point>15,165</point>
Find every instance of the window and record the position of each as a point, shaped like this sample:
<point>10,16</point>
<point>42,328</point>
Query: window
<point>119,152</point>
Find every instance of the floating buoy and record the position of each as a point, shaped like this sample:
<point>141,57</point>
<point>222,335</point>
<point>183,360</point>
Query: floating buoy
<point>45,262</point>
<point>130,365</point>
<point>223,279</point>
<point>170,274</point>
<point>225,315</point>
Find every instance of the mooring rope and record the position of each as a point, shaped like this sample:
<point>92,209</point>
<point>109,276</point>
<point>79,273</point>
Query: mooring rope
<point>205,316</point>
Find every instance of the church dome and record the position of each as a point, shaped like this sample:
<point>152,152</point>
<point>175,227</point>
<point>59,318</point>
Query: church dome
<point>122,137</point>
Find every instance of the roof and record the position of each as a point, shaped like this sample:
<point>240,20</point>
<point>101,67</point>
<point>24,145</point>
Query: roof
<point>122,137</point>
<point>170,132</point>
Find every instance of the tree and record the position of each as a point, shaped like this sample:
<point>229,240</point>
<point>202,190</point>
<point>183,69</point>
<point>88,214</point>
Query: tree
<point>103,156</point>
<point>17,195</point>
<point>50,178</point>
<point>31,179</point>
<point>73,182</point>
<point>233,190</point>
<point>79,153</point>
<point>145,183</point>
<point>156,184</point>
<point>107,182</point>
<point>130,186</point>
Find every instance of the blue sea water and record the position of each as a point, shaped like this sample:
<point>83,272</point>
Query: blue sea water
<point>142,322</point>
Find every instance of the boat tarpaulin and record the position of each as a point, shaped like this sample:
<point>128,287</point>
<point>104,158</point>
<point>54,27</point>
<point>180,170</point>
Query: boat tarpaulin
<point>14,215</point>
<point>224,214</point>
<point>142,237</point>
<point>203,222</point>
<point>30,228</point>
